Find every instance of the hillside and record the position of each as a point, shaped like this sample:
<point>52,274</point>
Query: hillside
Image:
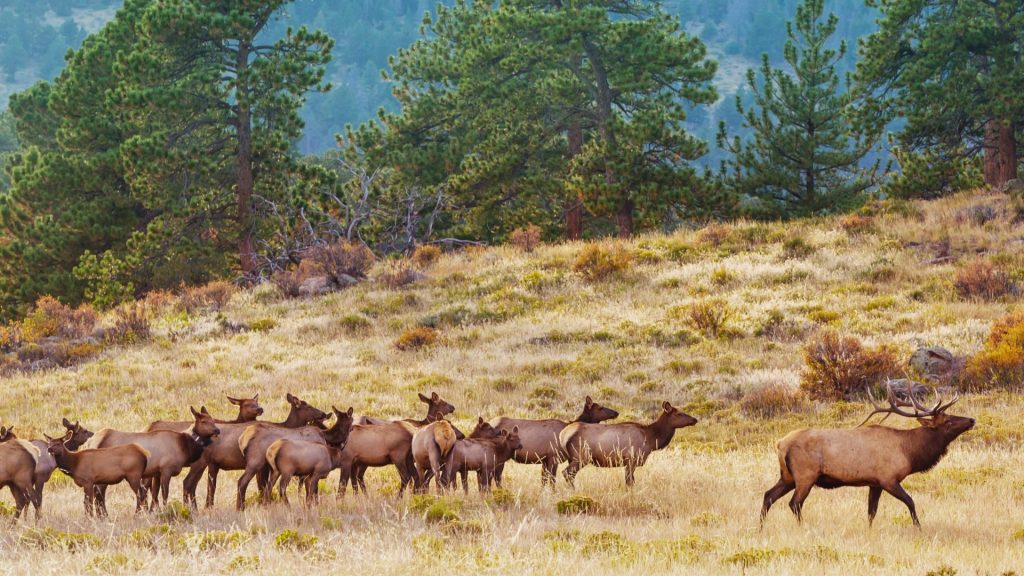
<point>526,334</point>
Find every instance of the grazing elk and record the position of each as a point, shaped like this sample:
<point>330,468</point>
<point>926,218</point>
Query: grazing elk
<point>249,410</point>
<point>18,460</point>
<point>224,454</point>
<point>540,439</point>
<point>257,438</point>
<point>90,468</point>
<point>481,455</point>
<point>45,464</point>
<point>625,444</point>
<point>878,457</point>
<point>169,451</point>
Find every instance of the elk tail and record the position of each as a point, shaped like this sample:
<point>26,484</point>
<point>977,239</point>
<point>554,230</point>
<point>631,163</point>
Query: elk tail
<point>445,437</point>
<point>272,454</point>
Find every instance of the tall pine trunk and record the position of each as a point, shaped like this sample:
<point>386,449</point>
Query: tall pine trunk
<point>624,215</point>
<point>574,209</point>
<point>245,179</point>
<point>1000,153</point>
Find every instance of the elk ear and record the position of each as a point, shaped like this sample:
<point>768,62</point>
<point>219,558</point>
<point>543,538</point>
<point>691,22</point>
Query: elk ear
<point>193,411</point>
<point>234,401</point>
<point>588,402</point>
<point>424,399</point>
<point>479,420</point>
<point>667,406</point>
<point>434,397</point>
<point>351,410</point>
<point>504,433</point>
<point>515,429</point>
<point>47,436</point>
<point>926,422</point>
<point>202,409</point>
<point>291,399</point>
<point>67,424</point>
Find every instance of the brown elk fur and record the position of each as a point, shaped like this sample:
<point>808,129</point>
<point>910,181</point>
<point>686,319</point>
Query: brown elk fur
<point>90,468</point>
<point>430,447</point>
<point>626,444</point>
<point>18,460</point>
<point>377,445</point>
<point>169,451</point>
<point>224,454</point>
<point>312,460</point>
<point>876,456</point>
<point>481,455</point>
<point>45,464</point>
<point>249,410</point>
<point>257,438</point>
<point>540,439</point>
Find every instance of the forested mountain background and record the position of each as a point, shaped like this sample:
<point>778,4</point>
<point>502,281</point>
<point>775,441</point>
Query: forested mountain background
<point>35,34</point>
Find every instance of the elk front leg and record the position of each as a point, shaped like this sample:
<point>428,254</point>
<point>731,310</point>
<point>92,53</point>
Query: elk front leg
<point>900,494</point>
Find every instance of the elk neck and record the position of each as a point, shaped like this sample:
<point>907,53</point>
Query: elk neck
<point>293,420</point>
<point>925,447</point>
<point>195,444</point>
<point>65,461</point>
<point>660,431</point>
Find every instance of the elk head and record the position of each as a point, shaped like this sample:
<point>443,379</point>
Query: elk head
<point>79,435</point>
<point>934,418</point>
<point>303,411</point>
<point>483,429</point>
<point>674,418</point>
<point>249,409</point>
<point>437,407</point>
<point>337,434</point>
<point>594,412</point>
<point>204,428</point>
<point>7,433</point>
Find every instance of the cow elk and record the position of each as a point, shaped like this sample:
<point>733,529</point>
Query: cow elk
<point>540,439</point>
<point>45,464</point>
<point>878,457</point>
<point>249,410</point>
<point>94,467</point>
<point>18,460</point>
<point>626,444</point>
<point>481,455</point>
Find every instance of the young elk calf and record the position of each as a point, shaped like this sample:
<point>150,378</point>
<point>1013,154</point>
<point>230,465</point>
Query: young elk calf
<point>18,460</point>
<point>616,445</point>
<point>878,457</point>
<point>169,452</point>
<point>481,456</point>
<point>311,460</point>
<point>431,445</point>
<point>45,464</point>
<point>90,468</point>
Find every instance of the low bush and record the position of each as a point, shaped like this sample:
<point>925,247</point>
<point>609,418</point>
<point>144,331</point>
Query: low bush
<point>980,280</point>
<point>416,338</point>
<point>209,297</point>
<point>131,324</point>
<point>708,316</point>
<point>341,259</point>
<point>295,540</point>
<point>577,505</point>
<point>796,247</point>
<point>398,274</point>
<point>855,224</point>
<point>425,255</point>
<point>596,262</point>
<point>841,368</point>
<point>50,318</point>
<point>526,239</point>
<point>714,234</point>
<point>1000,364</point>
<point>771,401</point>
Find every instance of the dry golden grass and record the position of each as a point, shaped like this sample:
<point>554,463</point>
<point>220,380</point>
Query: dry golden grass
<point>522,334</point>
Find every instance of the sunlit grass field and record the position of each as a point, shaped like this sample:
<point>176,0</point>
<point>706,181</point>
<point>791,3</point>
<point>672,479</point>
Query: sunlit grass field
<point>526,335</point>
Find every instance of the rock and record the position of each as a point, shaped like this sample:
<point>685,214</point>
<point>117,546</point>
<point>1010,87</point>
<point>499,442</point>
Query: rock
<point>1014,187</point>
<point>935,362</point>
<point>315,286</point>
<point>344,281</point>
<point>901,386</point>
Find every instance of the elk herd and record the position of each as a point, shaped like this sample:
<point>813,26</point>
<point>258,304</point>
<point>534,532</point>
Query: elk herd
<point>304,447</point>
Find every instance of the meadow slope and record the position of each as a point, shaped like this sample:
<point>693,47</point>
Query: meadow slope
<point>523,334</point>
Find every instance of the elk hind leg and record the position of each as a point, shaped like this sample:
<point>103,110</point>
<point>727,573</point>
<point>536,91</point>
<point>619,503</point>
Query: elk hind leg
<point>900,494</point>
<point>874,493</point>
<point>780,489</point>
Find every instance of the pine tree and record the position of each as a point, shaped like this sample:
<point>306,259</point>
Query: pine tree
<point>953,69</point>
<point>802,156</point>
<point>214,113</point>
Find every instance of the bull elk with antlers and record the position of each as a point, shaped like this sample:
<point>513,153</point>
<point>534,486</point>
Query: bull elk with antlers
<point>878,457</point>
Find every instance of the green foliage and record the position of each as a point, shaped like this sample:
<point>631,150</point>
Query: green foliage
<point>295,540</point>
<point>803,156</point>
<point>596,262</point>
<point>577,505</point>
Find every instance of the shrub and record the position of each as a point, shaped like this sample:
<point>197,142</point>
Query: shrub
<point>797,247</point>
<point>52,538</point>
<point>355,324</point>
<point>425,255</point>
<point>295,540</point>
<point>526,239</point>
<point>577,505</point>
<point>855,224</point>
<point>1000,364</point>
<point>289,281</point>
<point>10,337</point>
<point>263,325</point>
<point>341,259</point>
<point>51,318</point>
<point>175,511</point>
<point>840,367</point>
<point>707,316</point>
<point>417,337</point>
<point>980,280</point>
<point>213,296</point>
<point>159,301</point>
<point>771,401</point>
<point>398,274</point>
<point>714,234</point>
<point>596,262</point>
<point>131,324</point>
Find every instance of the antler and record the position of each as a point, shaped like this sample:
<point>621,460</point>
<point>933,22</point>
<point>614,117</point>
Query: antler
<point>895,403</point>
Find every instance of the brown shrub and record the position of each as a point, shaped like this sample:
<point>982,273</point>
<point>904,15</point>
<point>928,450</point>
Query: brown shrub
<point>425,255</point>
<point>398,274</point>
<point>771,401</point>
<point>51,318</point>
<point>159,301</point>
<point>289,281</point>
<point>855,224</point>
<point>526,239</point>
<point>131,324</point>
<point>596,262</point>
<point>212,296</point>
<point>10,336</point>
<point>341,259</point>
<point>979,279</point>
<point>707,316</point>
<point>1000,364</point>
<point>714,234</point>
<point>840,367</point>
<point>417,337</point>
